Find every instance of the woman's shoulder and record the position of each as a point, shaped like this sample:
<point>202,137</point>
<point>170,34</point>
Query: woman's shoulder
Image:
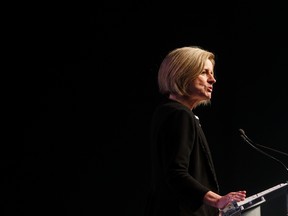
<point>173,109</point>
<point>171,105</point>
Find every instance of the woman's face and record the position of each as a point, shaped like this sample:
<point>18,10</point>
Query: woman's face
<point>201,88</point>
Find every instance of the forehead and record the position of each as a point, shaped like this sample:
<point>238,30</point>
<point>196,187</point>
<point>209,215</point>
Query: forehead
<point>208,65</point>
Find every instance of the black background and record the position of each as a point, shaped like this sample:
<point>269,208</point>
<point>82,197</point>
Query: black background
<point>77,137</point>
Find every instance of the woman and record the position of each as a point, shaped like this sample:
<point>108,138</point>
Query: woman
<point>184,177</point>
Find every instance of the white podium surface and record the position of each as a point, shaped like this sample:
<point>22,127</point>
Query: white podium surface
<point>251,206</point>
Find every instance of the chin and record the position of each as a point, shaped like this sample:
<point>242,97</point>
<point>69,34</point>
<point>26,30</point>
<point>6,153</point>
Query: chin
<point>205,102</point>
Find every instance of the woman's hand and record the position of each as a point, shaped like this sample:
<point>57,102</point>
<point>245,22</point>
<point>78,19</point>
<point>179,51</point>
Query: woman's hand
<point>230,197</point>
<point>218,201</point>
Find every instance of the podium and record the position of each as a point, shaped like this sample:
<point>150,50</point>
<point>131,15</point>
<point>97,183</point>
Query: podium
<point>270,202</point>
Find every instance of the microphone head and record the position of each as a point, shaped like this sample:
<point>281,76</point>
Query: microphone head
<point>242,131</point>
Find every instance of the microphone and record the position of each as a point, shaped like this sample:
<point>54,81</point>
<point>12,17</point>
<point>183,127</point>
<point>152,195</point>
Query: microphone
<point>251,143</point>
<point>271,149</point>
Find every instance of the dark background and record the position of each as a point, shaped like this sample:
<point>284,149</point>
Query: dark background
<point>77,138</point>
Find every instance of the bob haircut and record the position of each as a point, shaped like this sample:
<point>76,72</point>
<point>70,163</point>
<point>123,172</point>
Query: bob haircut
<point>180,67</point>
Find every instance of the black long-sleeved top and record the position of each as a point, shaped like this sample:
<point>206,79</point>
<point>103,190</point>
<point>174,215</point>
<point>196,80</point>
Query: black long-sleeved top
<point>182,165</point>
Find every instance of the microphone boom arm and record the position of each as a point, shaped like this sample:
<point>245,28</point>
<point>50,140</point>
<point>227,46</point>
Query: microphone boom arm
<point>247,140</point>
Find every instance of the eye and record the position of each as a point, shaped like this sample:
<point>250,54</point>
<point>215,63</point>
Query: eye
<point>206,72</point>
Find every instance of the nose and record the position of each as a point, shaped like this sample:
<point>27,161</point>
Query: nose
<point>211,79</point>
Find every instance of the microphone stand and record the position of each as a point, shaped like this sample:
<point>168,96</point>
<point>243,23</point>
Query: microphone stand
<point>265,147</point>
<point>250,142</point>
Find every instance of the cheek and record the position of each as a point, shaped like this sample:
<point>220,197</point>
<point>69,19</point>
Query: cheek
<point>195,87</point>
<point>199,84</point>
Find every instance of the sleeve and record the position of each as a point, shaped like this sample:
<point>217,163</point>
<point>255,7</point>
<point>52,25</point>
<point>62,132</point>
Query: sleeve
<point>179,137</point>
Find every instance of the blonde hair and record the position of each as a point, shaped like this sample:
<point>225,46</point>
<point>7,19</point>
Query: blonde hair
<point>180,67</point>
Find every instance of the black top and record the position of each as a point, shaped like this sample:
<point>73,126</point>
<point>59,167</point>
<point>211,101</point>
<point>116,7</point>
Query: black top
<point>182,166</point>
